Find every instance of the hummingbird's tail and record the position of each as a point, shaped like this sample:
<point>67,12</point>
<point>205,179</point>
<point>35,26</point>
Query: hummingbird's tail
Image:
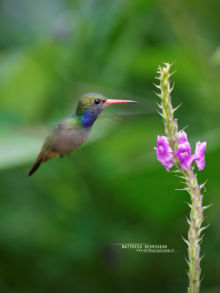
<point>36,164</point>
<point>41,158</point>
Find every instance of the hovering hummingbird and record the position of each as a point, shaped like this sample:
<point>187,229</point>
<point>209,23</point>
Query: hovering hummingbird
<point>73,131</point>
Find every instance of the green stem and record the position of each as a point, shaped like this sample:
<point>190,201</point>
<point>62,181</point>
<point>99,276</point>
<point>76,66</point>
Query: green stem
<point>194,239</point>
<point>190,178</point>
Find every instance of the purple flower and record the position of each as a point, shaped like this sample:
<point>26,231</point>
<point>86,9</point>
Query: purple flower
<point>182,137</point>
<point>164,152</point>
<point>199,155</point>
<point>183,153</point>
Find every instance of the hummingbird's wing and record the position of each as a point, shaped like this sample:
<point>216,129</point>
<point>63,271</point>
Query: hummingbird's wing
<point>107,121</point>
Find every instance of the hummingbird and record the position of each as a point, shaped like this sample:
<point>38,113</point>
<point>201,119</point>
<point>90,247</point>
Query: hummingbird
<point>73,131</point>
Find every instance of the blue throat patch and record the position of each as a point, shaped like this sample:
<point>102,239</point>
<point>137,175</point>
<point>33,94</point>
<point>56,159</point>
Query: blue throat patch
<point>89,118</point>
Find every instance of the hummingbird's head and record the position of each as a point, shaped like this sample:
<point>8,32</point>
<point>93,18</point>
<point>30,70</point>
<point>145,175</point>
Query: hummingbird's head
<point>90,106</point>
<point>93,102</point>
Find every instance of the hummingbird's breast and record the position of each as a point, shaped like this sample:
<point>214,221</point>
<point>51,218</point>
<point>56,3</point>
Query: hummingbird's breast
<point>68,139</point>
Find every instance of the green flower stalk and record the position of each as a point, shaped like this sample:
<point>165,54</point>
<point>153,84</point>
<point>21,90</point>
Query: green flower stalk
<point>174,150</point>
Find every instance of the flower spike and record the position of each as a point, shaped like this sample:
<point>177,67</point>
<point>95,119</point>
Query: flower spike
<point>173,150</point>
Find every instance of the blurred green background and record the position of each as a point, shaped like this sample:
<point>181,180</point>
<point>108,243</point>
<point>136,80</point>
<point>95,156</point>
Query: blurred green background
<point>58,228</point>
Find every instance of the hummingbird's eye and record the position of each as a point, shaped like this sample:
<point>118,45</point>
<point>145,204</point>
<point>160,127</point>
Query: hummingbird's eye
<point>97,101</point>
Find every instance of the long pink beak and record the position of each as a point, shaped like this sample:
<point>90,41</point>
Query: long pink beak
<point>111,101</point>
